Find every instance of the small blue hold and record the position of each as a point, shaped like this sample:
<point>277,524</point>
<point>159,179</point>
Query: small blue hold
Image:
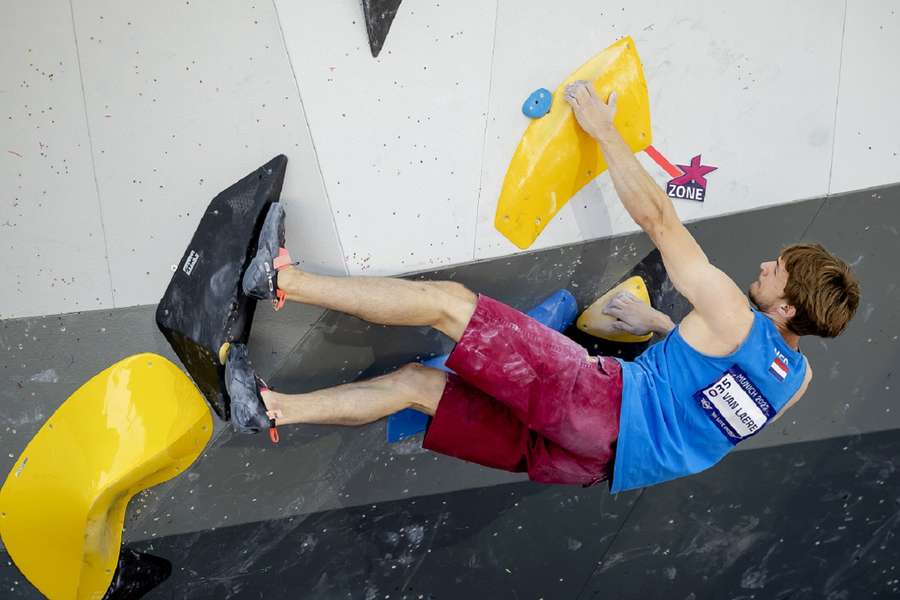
<point>538,103</point>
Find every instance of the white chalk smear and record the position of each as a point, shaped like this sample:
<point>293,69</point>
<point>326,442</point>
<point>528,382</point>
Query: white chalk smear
<point>47,376</point>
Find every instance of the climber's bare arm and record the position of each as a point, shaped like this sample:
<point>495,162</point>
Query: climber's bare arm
<point>717,300</point>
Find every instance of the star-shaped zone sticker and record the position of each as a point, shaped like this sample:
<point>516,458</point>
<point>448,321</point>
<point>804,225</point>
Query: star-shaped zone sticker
<point>694,172</point>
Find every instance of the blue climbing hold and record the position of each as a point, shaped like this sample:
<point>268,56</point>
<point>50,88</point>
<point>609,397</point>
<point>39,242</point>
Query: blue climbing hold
<point>538,103</point>
<point>557,311</point>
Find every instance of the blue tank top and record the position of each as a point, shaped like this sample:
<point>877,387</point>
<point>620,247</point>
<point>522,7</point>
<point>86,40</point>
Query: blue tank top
<point>682,410</point>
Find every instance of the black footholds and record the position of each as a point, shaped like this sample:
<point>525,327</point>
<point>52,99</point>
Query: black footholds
<point>379,15</point>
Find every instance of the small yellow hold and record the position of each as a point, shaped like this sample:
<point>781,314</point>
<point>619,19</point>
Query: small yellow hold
<point>594,322</point>
<point>223,352</point>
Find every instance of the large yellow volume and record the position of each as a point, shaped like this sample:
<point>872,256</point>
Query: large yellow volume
<point>556,158</point>
<point>594,322</point>
<point>136,424</point>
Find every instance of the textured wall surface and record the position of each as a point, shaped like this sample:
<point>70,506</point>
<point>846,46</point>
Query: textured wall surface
<point>121,121</point>
<point>867,149</point>
<point>53,243</point>
<point>337,512</point>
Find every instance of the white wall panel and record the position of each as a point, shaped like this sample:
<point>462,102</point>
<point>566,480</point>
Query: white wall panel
<point>183,99</point>
<point>867,140</point>
<point>52,250</point>
<point>387,155</point>
<point>753,94</point>
<point>399,137</point>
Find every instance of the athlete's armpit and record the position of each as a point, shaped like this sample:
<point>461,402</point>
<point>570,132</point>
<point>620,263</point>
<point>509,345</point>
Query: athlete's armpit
<point>799,394</point>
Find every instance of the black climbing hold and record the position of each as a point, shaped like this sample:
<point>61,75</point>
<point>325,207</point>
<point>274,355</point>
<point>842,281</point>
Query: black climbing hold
<point>136,574</point>
<point>204,307</point>
<point>379,15</point>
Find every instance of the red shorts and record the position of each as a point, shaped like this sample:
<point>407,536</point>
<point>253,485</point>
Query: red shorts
<point>527,398</point>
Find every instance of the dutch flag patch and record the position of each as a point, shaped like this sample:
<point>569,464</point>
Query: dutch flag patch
<point>779,367</point>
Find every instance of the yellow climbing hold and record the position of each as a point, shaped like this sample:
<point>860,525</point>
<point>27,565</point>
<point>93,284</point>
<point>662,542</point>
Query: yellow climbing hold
<point>223,352</point>
<point>556,158</point>
<point>136,424</point>
<point>594,322</point>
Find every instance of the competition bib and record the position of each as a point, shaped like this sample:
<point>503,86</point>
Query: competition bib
<point>735,405</point>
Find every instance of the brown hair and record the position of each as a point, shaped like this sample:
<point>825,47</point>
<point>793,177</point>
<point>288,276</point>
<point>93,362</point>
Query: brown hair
<point>821,288</point>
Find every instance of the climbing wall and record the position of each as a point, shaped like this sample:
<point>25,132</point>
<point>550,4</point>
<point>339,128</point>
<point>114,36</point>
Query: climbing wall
<point>123,122</point>
<point>120,121</point>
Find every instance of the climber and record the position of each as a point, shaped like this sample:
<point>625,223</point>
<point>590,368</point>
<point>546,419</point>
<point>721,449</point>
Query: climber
<point>527,398</point>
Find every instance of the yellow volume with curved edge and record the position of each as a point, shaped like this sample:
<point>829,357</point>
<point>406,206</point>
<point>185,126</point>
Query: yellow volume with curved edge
<point>594,322</point>
<point>556,158</point>
<point>136,424</point>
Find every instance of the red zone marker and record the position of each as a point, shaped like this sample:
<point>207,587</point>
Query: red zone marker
<point>659,159</point>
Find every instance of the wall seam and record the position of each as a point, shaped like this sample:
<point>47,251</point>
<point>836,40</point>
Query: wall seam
<point>312,139</point>
<point>275,373</point>
<point>837,99</point>
<point>813,219</point>
<point>87,124</point>
<point>599,565</point>
<point>487,116</point>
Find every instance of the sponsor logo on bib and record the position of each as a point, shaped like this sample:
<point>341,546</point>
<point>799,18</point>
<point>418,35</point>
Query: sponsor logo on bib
<point>735,405</point>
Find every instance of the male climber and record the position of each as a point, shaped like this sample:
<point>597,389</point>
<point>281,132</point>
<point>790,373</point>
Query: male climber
<point>527,398</point>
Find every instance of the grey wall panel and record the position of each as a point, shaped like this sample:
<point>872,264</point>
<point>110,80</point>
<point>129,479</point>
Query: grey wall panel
<point>857,372</point>
<point>811,520</point>
<point>801,521</point>
<point>45,359</point>
<point>244,480</point>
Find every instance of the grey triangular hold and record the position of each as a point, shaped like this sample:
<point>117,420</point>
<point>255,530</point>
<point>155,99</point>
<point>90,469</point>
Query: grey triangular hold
<point>379,16</point>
